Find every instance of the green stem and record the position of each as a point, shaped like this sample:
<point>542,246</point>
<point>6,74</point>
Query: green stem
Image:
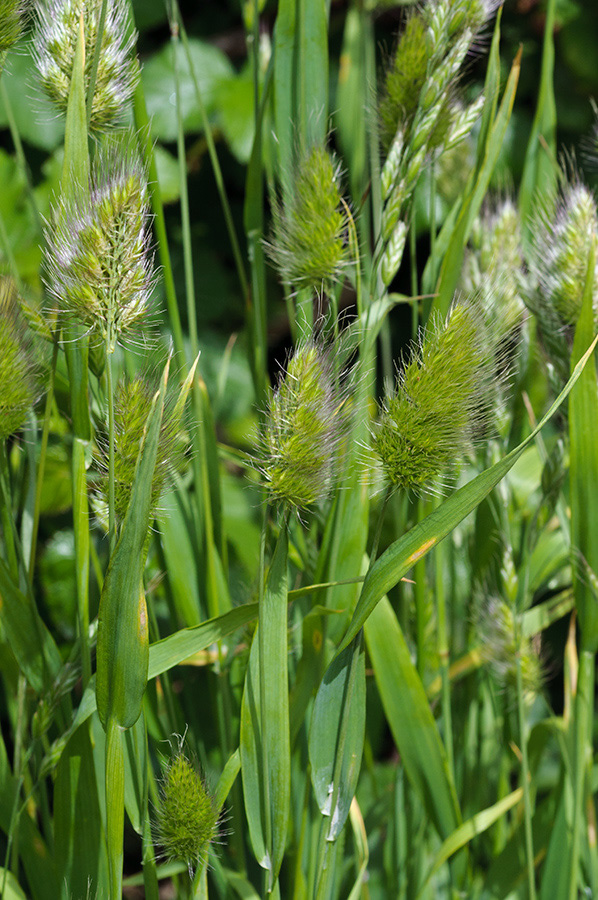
<point>95,61</point>
<point>527,805</point>
<point>184,194</point>
<point>584,706</point>
<point>115,805</point>
<point>444,654</point>
<point>263,651</point>
<point>111,483</point>
<point>42,462</point>
<point>8,526</point>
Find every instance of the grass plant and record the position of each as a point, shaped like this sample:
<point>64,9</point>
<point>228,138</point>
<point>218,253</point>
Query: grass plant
<point>361,582</point>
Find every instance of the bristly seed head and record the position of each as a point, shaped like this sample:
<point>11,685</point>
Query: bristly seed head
<point>98,261</point>
<point>55,44</point>
<point>561,249</point>
<point>18,389</point>
<point>441,399</point>
<point>497,633</point>
<point>304,429</point>
<point>405,79</point>
<point>308,243</point>
<point>12,14</point>
<point>186,815</point>
<point>132,406</point>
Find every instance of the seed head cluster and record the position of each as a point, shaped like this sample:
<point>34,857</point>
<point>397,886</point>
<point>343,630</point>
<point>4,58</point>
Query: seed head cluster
<point>496,623</point>
<point>308,244</point>
<point>440,400</point>
<point>55,43</point>
<point>132,405</point>
<point>12,13</point>
<point>18,388</point>
<point>305,425</point>
<point>186,816</point>
<point>98,260</point>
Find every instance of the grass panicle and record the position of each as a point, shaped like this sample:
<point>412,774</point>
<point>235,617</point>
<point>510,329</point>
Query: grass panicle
<point>308,245</point>
<point>99,265</point>
<point>55,41</point>
<point>19,388</point>
<point>441,399</point>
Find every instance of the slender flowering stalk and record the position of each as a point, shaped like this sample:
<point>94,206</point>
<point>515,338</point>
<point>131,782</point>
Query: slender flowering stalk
<point>304,429</point>
<point>98,260</point>
<point>54,47</point>
<point>440,400</point>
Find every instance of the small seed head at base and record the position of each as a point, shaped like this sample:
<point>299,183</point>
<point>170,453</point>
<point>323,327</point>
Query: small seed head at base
<point>305,425</point>
<point>186,815</point>
<point>98,260</point>
<point>55,43</point>
<point>308,241</point>
<point>18,389</point>
<point>440,400</point>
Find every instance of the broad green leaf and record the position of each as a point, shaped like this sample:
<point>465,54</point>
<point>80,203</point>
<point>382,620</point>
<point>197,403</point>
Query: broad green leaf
<point>336,736</point>
<point>400,557</point>
<point>123,642</point>
<point>79,844</point>
<point>12,888</point>
<point>471,829</point>
<point>583,472</point>
<point>540,170</point>
<point>212,67</point>
<point>181,565</point>
<point>32,644</point>
<point>410,718</point>
<point>227,779</point>
<point>265,743</point>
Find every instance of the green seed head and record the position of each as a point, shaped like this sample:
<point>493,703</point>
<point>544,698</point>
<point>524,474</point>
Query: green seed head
<point>498,635</point>
<point>494,268</point>
<point>561,248</point>
<point>18,390</point>
<point>11,22</point>
<point>404,79</point>
<point>132,406</point>
<point>308,243</point>
<point>55,44</point>
<point>186,815</point>
<point>440,400</point>
<point>98,260</point>
<point>304,429</point>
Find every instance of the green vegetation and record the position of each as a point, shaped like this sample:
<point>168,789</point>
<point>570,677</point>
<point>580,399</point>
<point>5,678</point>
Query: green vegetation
<point>298,457</point>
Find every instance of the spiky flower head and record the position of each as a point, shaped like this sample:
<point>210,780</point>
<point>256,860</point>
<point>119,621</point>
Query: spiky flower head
<point>132,405</point>
<point>502,645</point>
<point>304,428</point>
<point>12,13</point>
<point>562,243</point>
<point>186,815</point>
<point>494,267</point>
<point>55,43</point>
<point>440,400</point>
<point>18,389</point>
<point>404,78</point>
<point>98,261</point>
<point>308,242</point>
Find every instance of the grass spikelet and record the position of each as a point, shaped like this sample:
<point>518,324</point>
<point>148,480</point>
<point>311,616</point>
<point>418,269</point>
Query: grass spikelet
<point>561,247</point>
<point>404,79</point>
<point>12,13</point>
<point>186,816</point>
<point>98,260</point>
<point>304,429</point>
<point>18,388</point>
<point>440,400</point>
<point>132,405</point>
<point>496,628</point>
<point>55,41</point>
<point>308,243</point>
